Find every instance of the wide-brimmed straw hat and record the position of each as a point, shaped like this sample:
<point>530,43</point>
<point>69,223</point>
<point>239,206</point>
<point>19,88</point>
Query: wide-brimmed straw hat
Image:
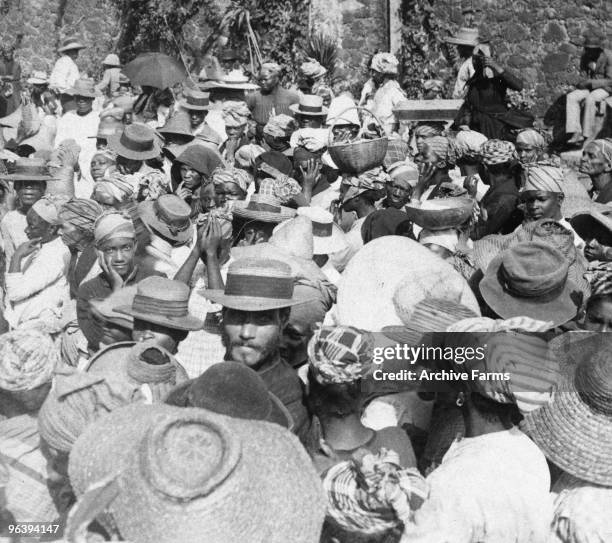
<point>328,237</point>
<point>83,87</point>
<point>168,215</point>
<point>38,78</point>
<point>263,208</point>
<point>189,475</point>
<point>530,279</point>
<point>465,36</point>
<point>105,307</point>
<point>256,284</point>
<point>136,142</point>
<point>310,105</point>
<point>575,429</point>
<point>111,60</point>
<point>164,302</point>
<point>70,44</point>
<point>234,390</point>
<point>594,224</point>
<point>235,80</point>
<point>28,169</point>
<point>195,100</point>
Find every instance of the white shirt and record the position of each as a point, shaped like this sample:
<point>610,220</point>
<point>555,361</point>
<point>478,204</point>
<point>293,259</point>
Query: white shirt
<point>492,488</point>
<point>12,228</point>
<point>465,73</point>
<point>386,98</point>
<point>64,74</point>
<point>40,289</point>
<point>354,242</point>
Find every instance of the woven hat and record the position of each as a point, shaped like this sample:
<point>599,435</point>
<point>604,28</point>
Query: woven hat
<point>136,142</point>
<point>83,87</point>
<point>105,307</point>
<point>169,215</point>
<point>263,208</point>
<point>28,169</point>
<point>177,124</point>
<point>594,224</point>
<point>294,236</point>
<point>310,105</point>
<point>256,284</point>
<point>530,279</point>
<point>111,60</point>
<point>234,80</point>
<point>195,100</point>
<point>38,78</point>
<point>328,237</point>
<point>108,126</point>
<point>575,429</point>
<point>162,301</point>
<point>189,475</point>
<point>70,44</point>
<point>465,36</point>
<point>234,390</point>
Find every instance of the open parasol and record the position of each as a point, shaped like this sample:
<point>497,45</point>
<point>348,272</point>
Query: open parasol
<point>155,70</point>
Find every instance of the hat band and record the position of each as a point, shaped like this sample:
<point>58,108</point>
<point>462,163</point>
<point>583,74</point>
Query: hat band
<point>310,109</point>
<point>322,229</point>
<point>174,225</point>
<point>196,101</point>
<point>260,206</point>
<point>135,145</point>
<point>280,288</point>
<point>549,292</point>
<point>34,171</point>
<point>146,304</point>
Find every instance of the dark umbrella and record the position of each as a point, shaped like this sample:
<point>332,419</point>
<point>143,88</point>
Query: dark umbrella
<point>155,70</point>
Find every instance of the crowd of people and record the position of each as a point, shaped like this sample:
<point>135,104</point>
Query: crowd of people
<point>199,281</point>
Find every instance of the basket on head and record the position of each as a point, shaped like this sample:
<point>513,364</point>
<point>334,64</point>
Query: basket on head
<point>441,213</point>
<point>358,156</point>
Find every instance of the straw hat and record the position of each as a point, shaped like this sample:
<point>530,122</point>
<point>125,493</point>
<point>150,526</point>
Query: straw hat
<point>111,60</point>
<point>234,390</point>
<point>256,284</point>
<point>263,208</point>
<point>28,169</point>
<point>465,36</point>
<point>594,225</point>
<point>108,126</point>
<point>575,429</point>
<point>164,302</point>
<point>105,308</point>
<point>38,78</point>
<point>83,87</point>
<point>310,105</point>
<point>136,142</point>
<point>385,280</point>
<point>177,124</point>
<point>328,237</point>
<point>70,44</point>
<point>189,475</point>
<point>234,80</point>
<point>168,215</point>
<point>530,279</point>
<point>295,236</point>
<point>195,100</point>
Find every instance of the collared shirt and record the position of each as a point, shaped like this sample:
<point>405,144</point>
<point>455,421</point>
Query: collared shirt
<point>12,228</point>
<point>386,98</point>
<point>40,290</point>
<point>64,74</point>
<point>465,73</point>
<point>493,488</point>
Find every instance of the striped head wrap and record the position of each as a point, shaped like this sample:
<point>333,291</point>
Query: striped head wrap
<point>426,131</point>
<point>443,147</point>
<point>240,177</point>
<point>81,213</point>
<point>340,354</point>
<point>28,359</point>
<point>283,188</point>
<point>280,126</point>
<point>245,156</point>
<point>235,113</point>
<point>497,152</point>
<point>531,137</point>
<point>116,185</point>
<point>600,278</point>
<point>485,324</point>
<point>375,179</point>
<point>112,225</point>
<point>605,147</point>
<point>468,144</point>
<point>374,495</point>
<point>543,177</point>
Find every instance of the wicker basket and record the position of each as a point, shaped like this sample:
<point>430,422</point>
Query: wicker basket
<point>359,156</point>
<point>442,213</point>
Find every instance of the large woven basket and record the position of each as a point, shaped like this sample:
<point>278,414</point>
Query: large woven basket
<point>359,156</point>
<point>441,213</point>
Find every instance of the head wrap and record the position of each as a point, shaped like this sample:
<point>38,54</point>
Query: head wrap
<point>280,126</point>
<point>107,153</point>
<point>433,84</point>
<point>605,147</point>
<point>497,152</point>
<point>47,208</point>
<point>468,144</point>
<point>113,225</point>
<point>485,324</point>
<point>311,68</point>
<point>340,354</point>
<point>282,188</point>
<point>444,238</point>
<point>28,359</point>
<point>273,67</point>
<point>113,113</point>
<point>82,213</point>
<point>542,177</point>
<point>373,495</point>
<point>242,178</point>
<point>407,172</point>
<point>313,139</point>
<point>443,147</point>
<point>600,278</point>
<point>245,156</point>
<point>385,63</point>
<point>375,179</point>
<point>531,137</point>
<point>235,113</point>
<point>426,131</point>
<point>116,185</point>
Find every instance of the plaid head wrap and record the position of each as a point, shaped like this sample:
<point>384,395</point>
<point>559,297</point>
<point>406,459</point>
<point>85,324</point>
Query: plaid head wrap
<point>443,147</point>
<point>282,188</point>
<point>235,113</point>
<point>468,144</point>
<point>340,354</point>
<point>311,68</point>
<point>385,63</point>
<point>82,213</point>
<point>280,126</point>
<point>543,177</point>
<point>113,225</point>
<point>605,147</point>
<point>374,495</point>
<point>531,137</point>
<point>28,359</point>
<point>497,152</point>
<point>242,178</point>
<point>375,179</point>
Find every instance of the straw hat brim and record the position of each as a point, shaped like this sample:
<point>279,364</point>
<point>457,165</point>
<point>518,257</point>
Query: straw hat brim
<point>70,47</point>
<point>20,177</point>
<point>36,81</point>
<point>330,244</point>
<point>228,85</point>
<point>188,322</point>
<point>461,41</point>
<point>591,224</point>
<point>114,142</point>
<point>81,92</point>
<point>240,210</point>
<point>150,220</point>
<point>573,436</point>
<point>559,310</point>
<point>249,303</point>
<point>296,109</point>
<point>185,105</point>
